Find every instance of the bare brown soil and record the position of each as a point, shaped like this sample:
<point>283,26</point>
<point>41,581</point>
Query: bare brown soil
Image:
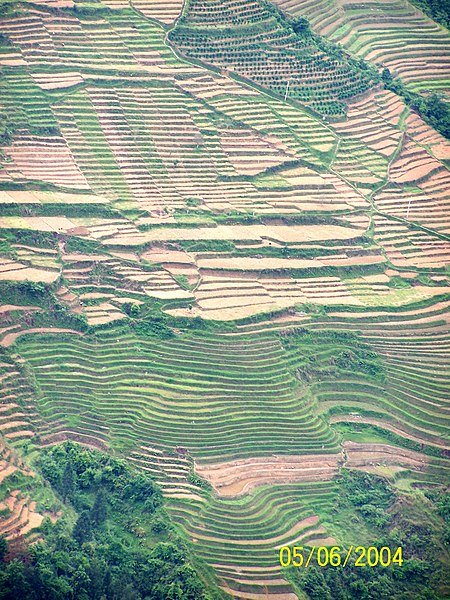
<point>235,478</point>
<point>239,477</point>
<point>10,338</point>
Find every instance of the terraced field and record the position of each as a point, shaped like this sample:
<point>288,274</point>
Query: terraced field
<point>237,295</point>
<point>19,515</point>
<point>176,405</point>
<point>253,40</point>
<point>394,34</point>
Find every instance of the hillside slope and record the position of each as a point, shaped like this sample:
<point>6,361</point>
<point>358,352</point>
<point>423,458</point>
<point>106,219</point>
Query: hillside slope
<point>255,41</point>
<point>395,34</point>
<point>218,285</point>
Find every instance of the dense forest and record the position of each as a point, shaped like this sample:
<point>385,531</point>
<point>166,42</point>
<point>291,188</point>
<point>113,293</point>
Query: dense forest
<point>116,541</point>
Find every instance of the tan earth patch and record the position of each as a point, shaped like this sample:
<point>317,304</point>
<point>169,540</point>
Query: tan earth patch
<point>11,270</point>
<point>100,314</point>
<point>54,81</point>
<point>280,233</point>
<point>22,517</point>
<point>161,256</point>
<point>328,541</point>
<point>10,338</point>
<point>235,478</point>
<point>41,197</point>
<point>11,307</point>
<point>262,595</point>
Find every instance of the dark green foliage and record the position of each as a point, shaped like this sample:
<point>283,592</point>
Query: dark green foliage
<point>41,239</point>
<point>369,494</point>
<point>347,272</point>
<point>132,310</point>
<point>193,202</point>
<point>442,503</point>
<point>3,547</point>
<point>36,288</point>
<point>301,26</point>
<point>441,500</point>
<point>49,209</point>
<point>160,524</point>
<point>76,244</point>
<point>199,481</point>
<point>315,585</point>
<point>82,532</point>
<point>23,293</point>
<point>109,553</point>
<point>6,249</point>
<point>191,324</point>
<point>150,321</point>
<point>99,510</point>
<point>56,313</point>
<point>67,482</point>
<point>108,572</point>
<point>31,293</point>
<point>439,10</point>
<point>345,353</point>
<point>143,489</point>
<point>365,583</point>
<point>398,282</point>
<point>4,40</point>
<point>386,76</point>
<point>436,111</point>
<point>360,360</point>
<point>97,473</point>
<point>153,327</point>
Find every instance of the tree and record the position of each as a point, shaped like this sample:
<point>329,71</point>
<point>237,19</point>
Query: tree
<point>68,482</point>
<point>386,76</point>
<point>96,571</point>
<point>3,547</point>
<point>301,26</point>
<point>315,585</point>
<point>99,509</point>
<point>129,593</point>
<point>82,531</point>
<point>436,108</point>
<point>14,583</point>
<point>36,288</point>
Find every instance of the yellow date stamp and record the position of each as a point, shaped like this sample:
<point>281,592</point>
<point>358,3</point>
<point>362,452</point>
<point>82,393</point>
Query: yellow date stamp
<point>335,556</point>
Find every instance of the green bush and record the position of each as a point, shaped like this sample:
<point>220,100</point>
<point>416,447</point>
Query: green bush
<point>153,327</point>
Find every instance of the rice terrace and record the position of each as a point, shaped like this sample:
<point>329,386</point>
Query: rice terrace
<point>224,299</point>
